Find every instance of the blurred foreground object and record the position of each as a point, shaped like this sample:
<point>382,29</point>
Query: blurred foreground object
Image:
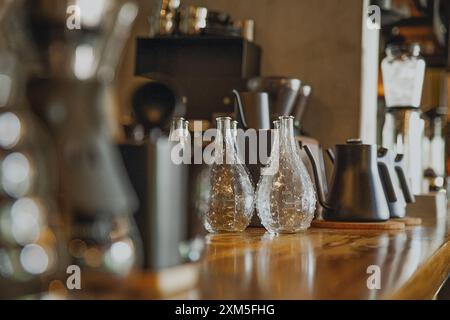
<point>79,60</point>
<point>31,246</point>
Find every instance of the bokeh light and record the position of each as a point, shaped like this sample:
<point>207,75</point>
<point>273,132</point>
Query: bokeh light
<point>25,221</point>
<point>120,256</point>
<point>34,259</point>
<point>84,67</point>
<point>16,174</point>
<point>10,130</point>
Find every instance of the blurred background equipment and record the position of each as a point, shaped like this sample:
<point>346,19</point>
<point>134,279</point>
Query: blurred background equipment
<point>414,84</point>
<point>155,103</point>
<point>282,93</point>
<point>162,189</point>
<point>205,68</point>
<point>403,73</point>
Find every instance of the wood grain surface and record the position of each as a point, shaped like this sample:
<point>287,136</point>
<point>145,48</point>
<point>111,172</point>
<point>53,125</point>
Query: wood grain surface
<point>387,225</point>
<point>316,264</point>
<point>326,263</point>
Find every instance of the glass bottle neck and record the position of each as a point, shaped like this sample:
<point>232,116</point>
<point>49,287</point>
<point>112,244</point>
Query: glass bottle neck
<point>286,129</point>
<point>287,142</point>
<point>287,126</point>
<point>225,148</point>
<point>225,128</point>
<point>179,130</point>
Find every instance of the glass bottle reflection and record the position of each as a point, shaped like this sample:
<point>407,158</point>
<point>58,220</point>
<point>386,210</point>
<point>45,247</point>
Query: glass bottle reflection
<point>230,200</point>
<point>105,244</point>
<point>294,255</point>
<point>285,197</point>
<point>228,271</point>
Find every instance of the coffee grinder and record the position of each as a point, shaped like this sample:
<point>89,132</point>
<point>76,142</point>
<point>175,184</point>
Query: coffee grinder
<point>403,73</point>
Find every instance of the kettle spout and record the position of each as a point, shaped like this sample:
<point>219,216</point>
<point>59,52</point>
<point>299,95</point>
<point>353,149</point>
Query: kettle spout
<point>319,186</point>
<point>240,108</point>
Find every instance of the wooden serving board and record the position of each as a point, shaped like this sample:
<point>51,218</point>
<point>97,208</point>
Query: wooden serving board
<point>387,225</point>
<point>409,221</point>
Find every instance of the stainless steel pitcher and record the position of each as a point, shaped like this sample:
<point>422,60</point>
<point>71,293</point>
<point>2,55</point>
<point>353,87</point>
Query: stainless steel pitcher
<point>282,91</point>
<point>252,110</point>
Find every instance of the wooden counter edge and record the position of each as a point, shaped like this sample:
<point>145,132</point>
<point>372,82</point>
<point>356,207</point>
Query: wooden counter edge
<point>428,279</point>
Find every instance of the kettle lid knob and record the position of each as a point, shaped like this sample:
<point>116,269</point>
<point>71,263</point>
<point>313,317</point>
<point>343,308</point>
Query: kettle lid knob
<point>354,141</point>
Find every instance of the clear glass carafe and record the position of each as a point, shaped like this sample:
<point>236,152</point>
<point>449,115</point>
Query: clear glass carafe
<point>285,196</point>
<point>230,199</point>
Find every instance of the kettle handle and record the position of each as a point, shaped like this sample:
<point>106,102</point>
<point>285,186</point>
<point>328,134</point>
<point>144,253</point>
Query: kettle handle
<point>318,183</point>
<point>331,155</point>
<point>240,107</point>
<point>409,196</point>
<point>386,178</point>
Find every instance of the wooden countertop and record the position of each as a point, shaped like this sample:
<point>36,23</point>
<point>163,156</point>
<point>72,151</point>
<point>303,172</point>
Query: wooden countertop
<point>317,264</point>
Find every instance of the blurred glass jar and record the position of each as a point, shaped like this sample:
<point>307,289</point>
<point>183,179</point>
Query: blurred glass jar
<point>403,74</point>
<point>285,196</point>
<point>31,245</point>
<point>227,197</point>
<point>98,198</point>
<point>79,67</point>
<point>71,99</point>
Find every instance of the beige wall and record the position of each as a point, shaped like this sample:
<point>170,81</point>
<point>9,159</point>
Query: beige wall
<point>318,41</point>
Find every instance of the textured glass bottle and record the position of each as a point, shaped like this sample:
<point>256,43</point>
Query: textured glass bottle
<point>230,201</point>
<point>285,197</point>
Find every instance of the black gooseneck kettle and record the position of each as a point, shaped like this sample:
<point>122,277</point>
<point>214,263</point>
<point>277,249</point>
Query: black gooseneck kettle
<point>356,191</point>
